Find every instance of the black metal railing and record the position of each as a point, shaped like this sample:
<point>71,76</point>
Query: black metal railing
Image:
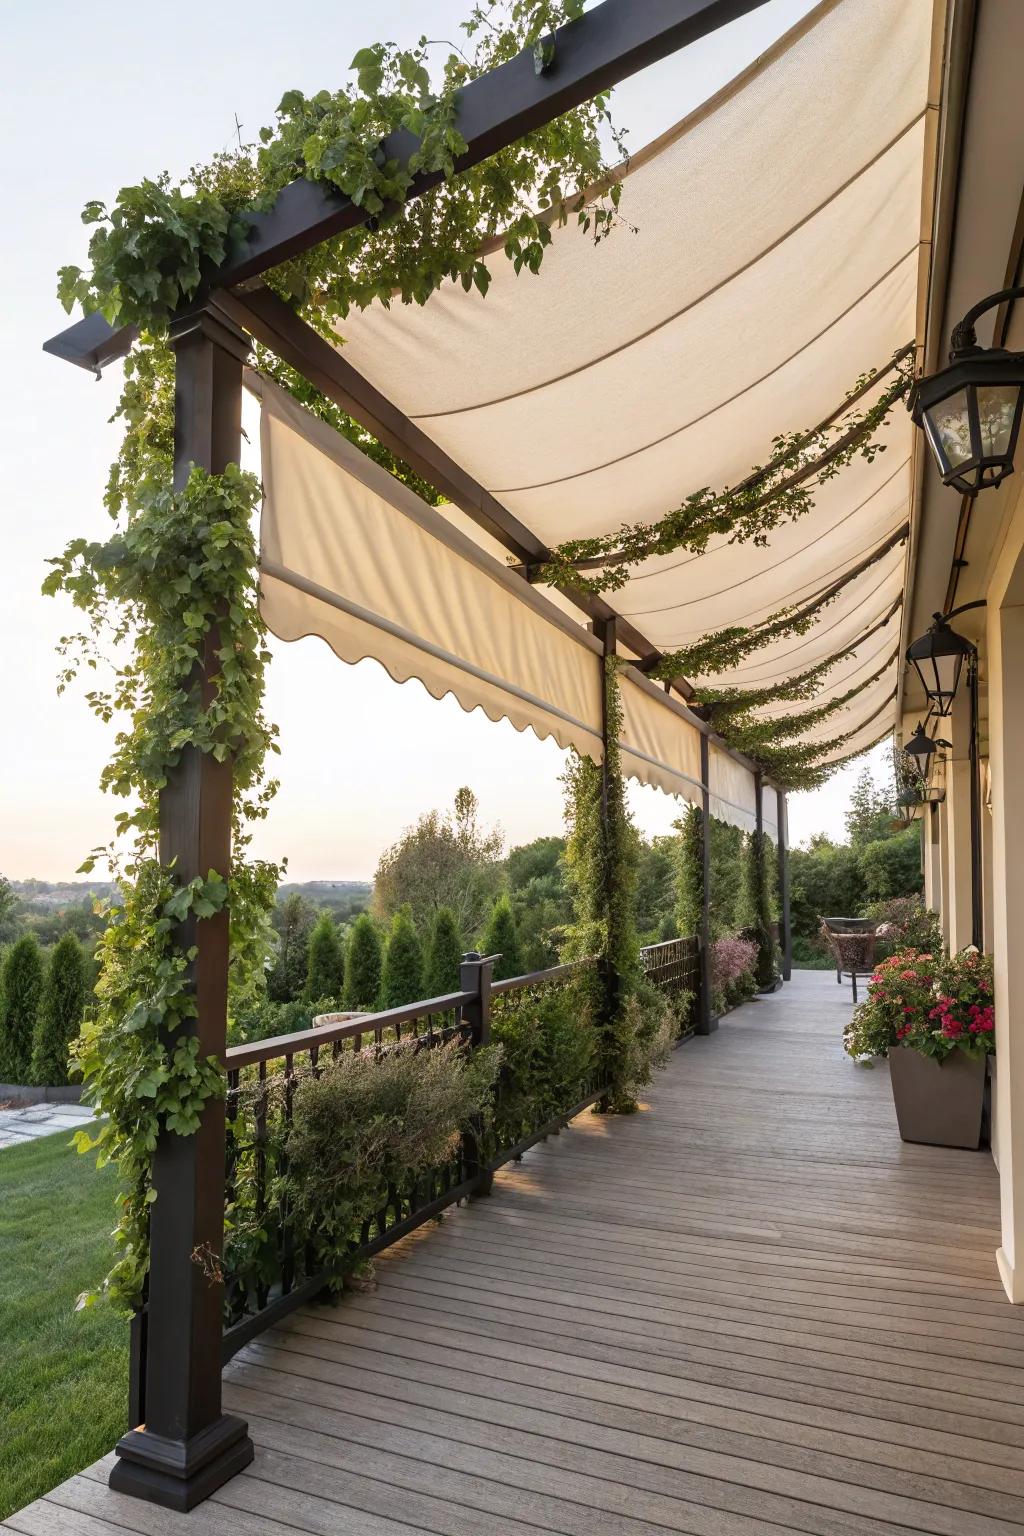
<point>674,968</point>
<point>267,1271</point>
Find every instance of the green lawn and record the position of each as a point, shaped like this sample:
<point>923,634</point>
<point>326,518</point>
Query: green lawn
<point>63,1374</point>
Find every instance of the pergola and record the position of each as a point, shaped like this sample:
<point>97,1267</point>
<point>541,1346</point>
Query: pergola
<point>535,428</point>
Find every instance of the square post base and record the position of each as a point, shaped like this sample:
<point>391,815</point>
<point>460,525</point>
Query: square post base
<point>708,1026</point>
<point>176,1474</point>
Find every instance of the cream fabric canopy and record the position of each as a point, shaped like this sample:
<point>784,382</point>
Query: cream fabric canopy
<point>349,553</point>
<point>775,260</point>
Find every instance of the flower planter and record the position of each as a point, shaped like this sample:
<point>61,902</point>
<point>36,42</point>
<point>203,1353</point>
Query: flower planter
<point>938,1104</point>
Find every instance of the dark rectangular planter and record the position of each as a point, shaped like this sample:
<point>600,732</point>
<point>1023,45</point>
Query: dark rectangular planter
<point>939,1104</point>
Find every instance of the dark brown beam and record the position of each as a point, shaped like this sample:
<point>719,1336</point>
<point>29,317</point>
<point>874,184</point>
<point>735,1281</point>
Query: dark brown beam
<point>609,43</point>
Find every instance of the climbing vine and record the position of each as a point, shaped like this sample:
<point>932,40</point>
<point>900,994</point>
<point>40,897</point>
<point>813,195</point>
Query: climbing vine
<point>171,594</point>
<point>601,861</point>
<point>170,591</point>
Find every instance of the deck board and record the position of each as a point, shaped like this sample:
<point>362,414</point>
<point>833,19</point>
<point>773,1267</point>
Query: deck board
<point>748,1309</point>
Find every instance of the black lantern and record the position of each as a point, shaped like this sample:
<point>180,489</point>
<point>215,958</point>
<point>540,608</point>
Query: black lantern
<point>971,410</point>
<point>938,659</point>
<point>921,748</point>
<point>907,804</point>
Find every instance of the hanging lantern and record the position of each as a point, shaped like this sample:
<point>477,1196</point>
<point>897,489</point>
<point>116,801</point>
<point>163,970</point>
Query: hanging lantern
<point>971,409</point>
<point>907,804</point>
<point>921,748</point>
<point>938,659</point>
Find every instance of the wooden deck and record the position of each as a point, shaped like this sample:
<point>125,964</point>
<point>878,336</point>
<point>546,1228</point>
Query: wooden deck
<point>748,1309</point>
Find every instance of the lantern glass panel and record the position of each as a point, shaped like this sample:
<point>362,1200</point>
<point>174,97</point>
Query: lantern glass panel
<point>944,684</point>
<point>948,425</point>
<point>997,406</point>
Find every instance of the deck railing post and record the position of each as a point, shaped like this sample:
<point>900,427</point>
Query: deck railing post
<point>785,917</point>
<point>707,1021</point>
<point>475,975</point>
<point>183,1446</point>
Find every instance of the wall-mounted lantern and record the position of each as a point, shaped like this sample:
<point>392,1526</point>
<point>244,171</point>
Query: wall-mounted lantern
<point>971,409</point>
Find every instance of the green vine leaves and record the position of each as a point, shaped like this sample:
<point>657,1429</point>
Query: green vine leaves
<point>373,141</point>
<point>169,597</point>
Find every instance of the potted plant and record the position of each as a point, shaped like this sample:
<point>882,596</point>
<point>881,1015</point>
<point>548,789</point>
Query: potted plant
<point>933,1018</point>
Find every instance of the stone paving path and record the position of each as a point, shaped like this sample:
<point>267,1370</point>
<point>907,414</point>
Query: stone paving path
<point>29,1121</point>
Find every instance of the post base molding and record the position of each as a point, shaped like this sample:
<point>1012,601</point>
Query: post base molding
<point>1013,1279</point>
<point>707,1026</point>
<point>179,1474</point>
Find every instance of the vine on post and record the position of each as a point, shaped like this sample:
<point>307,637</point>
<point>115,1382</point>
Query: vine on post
<point>178,574</point>
<point>601,857</point>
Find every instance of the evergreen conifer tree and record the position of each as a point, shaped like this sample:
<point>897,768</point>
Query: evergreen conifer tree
<point>21,992</point>
<point>501,938</point>
<point>363,964</point>
<point>60,1013</point>
<point>403,963</point>
<point>444,954</point>
<point>325,976</point>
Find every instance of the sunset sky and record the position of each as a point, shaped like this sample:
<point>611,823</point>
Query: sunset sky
<point>362,757</point>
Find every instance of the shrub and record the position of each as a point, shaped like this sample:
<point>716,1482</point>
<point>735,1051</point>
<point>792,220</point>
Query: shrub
<point>60,1013</point>
<point>325,976</point>
<point>651,1029</point>
<point>402,980</point>
<point>501,939</point>
<point>263,1019</point>
<point>367,1124</point>
<point>931,1004</point>
<point>731,959</point>
<point>444,955</point>
<point>21,990</point>
<point>549,1050</point>
<point>363,965</point>
<point>905,923</point>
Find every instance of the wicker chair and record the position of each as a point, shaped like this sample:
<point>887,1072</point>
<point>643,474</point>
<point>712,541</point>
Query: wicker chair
<point>854,952</point>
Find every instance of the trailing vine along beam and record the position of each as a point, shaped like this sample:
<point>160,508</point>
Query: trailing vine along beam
<point>726,648</point>
<point>772,494</point>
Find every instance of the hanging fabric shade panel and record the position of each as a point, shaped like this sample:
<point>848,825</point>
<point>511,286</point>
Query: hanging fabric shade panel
<point>733,793</point>
<point>769,270</point>
<point>349,553</point>
<point>660,744</point>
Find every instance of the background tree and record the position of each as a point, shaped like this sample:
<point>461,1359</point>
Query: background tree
<point>403,963</point>
<point>8,907</point>
<point>363,965</point>
<point>444,861</point>
<point>60,1012</point>
<point>891,866</point>
<point>500,938</point>
<point>655,887</point>
<point>325,973</point>
<point>293,921</point>
<point>21,990</point>
<point>535,873</point>
<point>870,812</point>
<point>444,955</point>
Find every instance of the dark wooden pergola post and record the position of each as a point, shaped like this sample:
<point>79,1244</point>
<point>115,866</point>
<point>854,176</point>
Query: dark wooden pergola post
<point>707,1021</point>
<point>785,918</point>
<point>186,1447</point>
<point>605,630</point>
